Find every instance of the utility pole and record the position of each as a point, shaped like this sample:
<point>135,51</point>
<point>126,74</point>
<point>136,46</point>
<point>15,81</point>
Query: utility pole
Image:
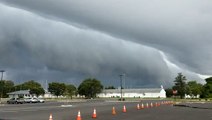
<point>2,73</point>
<point>46,86</point>
<point>121,84</point>
<point>124,81</point>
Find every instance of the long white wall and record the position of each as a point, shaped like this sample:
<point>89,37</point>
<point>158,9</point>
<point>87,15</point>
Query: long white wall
<point>161,94</point>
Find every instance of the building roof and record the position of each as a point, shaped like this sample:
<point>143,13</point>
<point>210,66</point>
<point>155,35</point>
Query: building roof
<point>21,92</point>
<point>149,90</point>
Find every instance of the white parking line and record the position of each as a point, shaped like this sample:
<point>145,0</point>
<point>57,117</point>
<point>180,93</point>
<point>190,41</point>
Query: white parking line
<point>66,105</point>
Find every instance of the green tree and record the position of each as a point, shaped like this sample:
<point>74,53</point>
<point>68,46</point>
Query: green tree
<point>110,87</point>
<point>195,88</point>
<point>207,88</point>
<point>6,87</point>
<point>169,92</point>
<point>34,87</point>
<point>180,85</point>
<point>70,90</point>
<point>90,87</point>
<point>37,91</point>
<point>57,88</point>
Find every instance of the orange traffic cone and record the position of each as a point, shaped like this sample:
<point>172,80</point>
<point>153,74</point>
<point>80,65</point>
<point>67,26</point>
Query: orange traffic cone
<point>138,107</point>
<point>156,104</point>
<point>147,105</point>
<point>94,113</point>
<point>113,111</point>
<point>124,109</point>
<point>151,105</point>
<point>50,117</point>
<point>79,115</point>
<point>142,106</point>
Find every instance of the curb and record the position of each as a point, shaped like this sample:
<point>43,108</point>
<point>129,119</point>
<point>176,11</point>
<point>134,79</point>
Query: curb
<point>180,105</point>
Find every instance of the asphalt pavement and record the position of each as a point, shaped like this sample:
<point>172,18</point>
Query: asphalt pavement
<point>69,111</point>
<point>199,105</point>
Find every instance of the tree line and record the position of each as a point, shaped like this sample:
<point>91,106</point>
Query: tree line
<point>88,88</point>
<point>192,88</point>
<point>91,87</point>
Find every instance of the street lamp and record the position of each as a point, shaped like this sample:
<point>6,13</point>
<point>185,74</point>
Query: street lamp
<point>121,84</point>
<point>124,81</point>
<point>2,73</point>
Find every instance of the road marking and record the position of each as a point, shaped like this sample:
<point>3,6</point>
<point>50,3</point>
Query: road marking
<point>66,105</point>
<point>9,111</point>
<point>122,101</point>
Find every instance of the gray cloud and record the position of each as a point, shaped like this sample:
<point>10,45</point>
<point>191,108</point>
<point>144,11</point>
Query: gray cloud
<point>105,38</point>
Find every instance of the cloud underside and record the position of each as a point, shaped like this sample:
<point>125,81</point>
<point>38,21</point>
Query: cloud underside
<point>69,41</point>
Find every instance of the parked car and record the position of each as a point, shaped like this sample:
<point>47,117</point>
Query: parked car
<point>12,101</point>
<point>33,100</point>
<point>40,100</point>
<point>27,100</point>
<point>16,101</point>
<point>20,100</point>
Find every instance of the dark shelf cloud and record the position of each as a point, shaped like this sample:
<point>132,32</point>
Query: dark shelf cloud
<point>68,41</point>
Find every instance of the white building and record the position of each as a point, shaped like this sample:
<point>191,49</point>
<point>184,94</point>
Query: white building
<point>192,96</point>
<point>130,93</point>
<point>47,94</point>
<point>21,93</point>
<point>26,94</point>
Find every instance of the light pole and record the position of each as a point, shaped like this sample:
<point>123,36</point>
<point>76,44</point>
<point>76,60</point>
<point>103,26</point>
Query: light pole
<point>2,72</point>
<point>124,81</point>
<point>121,84</point>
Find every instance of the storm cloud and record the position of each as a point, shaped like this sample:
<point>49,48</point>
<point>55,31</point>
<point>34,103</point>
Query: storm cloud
<point>149,41</point>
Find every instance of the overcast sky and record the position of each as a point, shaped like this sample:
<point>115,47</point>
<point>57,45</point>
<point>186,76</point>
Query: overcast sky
<point>150,41</point>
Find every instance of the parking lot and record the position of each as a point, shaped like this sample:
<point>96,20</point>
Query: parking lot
<point>24,100</point>
<point>68,111</point>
